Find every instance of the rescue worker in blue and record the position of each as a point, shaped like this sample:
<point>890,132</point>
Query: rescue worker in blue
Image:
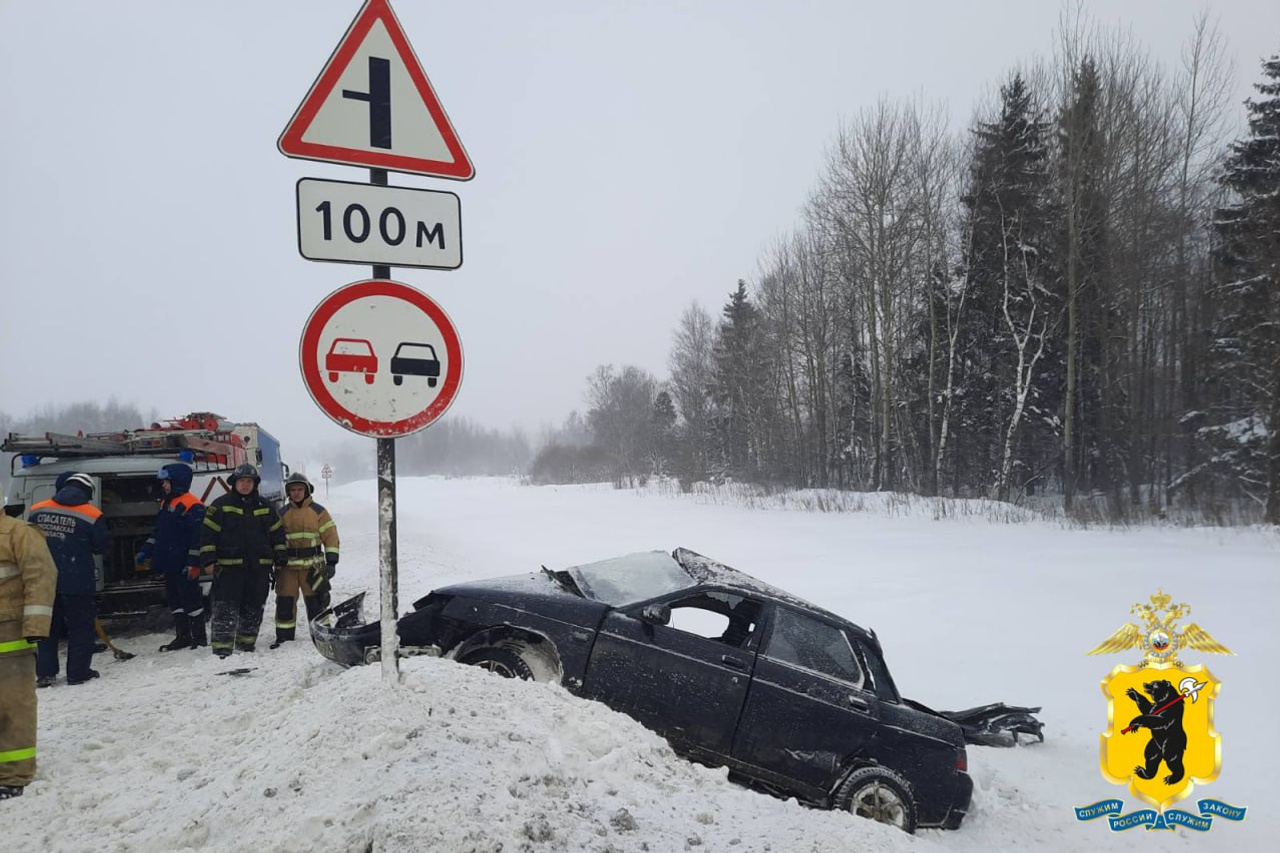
<point>243,544</point>
<point>74,530</point>
<point>174,552</point>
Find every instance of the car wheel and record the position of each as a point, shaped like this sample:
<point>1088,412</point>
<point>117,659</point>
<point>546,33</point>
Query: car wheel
<point>431,382</point>
<point>399,380</point>
<point>333,377</point>
<point>368,379</point>
<point>505,662</point>
<point>880,794</point>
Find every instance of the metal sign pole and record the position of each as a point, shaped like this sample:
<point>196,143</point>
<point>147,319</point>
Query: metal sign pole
<point>388,569</point>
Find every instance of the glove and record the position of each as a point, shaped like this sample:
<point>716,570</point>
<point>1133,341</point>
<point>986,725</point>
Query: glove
<point>34,640</point>
<point>328,571</point>
<point>331,557</point>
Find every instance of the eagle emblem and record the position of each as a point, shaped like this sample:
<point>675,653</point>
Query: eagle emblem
<point>1160,639</point>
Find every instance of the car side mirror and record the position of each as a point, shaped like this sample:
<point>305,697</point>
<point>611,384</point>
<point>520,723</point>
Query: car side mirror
<point>656,614</point>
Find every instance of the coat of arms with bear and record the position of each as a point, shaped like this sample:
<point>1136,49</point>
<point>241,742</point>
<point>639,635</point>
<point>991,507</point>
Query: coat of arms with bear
<point>1166,700</point>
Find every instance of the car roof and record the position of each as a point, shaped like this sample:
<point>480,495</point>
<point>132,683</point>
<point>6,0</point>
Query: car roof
<point>708,572</point>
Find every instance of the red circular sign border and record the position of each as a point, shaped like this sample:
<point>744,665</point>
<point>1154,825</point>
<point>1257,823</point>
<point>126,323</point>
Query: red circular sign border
<point>308,358</point>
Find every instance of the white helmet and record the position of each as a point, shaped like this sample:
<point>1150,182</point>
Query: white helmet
<point>81,480</point>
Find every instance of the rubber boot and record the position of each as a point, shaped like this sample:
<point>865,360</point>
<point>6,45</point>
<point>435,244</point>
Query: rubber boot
<point>182,629</point>
<point>316,604</point>
<point>286,616</point>
<point>198,636</point>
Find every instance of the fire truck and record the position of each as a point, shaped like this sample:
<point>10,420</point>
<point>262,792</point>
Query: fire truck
<point>123,466</point>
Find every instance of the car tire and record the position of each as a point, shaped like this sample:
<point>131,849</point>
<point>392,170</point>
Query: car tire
<point>399,380</point>
<point>333,377</point>
<point>880,794</point>
<point>504,661</point>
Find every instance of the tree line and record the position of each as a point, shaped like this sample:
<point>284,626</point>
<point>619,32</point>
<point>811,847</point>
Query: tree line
<point>1079,295</point>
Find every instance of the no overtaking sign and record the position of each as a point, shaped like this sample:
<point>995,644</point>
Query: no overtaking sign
<point>381,358</point>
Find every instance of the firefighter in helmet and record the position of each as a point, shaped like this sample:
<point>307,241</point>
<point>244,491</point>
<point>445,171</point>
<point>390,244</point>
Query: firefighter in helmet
<point>312,539</point>
<point>242,544</point>
<point>75,531</point>
<point>174,552</point>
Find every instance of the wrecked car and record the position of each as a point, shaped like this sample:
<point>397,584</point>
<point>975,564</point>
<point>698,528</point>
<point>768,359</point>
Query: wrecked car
<point>730,670</point>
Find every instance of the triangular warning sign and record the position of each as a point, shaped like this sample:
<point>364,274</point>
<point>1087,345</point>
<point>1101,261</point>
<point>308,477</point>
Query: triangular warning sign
<point>373,106</point>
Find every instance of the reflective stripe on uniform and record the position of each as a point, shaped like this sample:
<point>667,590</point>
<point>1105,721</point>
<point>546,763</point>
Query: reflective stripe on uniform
<point>212,525</point>
<point>262,510</point>
<point>9,570</point>
<point>327,525</point>
<point>15,646</point>
<point>18,755</point>
<point>235,509</point>
<point>37,610</point>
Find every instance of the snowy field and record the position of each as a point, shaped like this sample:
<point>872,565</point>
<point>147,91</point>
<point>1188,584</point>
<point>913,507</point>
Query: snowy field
<point>167,753</point>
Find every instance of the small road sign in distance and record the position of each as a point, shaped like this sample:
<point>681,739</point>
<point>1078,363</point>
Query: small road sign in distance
<point>356,223</point>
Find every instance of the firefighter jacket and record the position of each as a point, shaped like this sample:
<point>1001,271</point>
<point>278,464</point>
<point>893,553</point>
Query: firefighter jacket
<point>242,531</point>
<point>175,544</point>
<point>28,582</point>
<point>308,527</point>
<point>74,530</point>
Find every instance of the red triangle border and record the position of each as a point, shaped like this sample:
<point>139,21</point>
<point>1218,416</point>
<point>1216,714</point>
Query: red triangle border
<point>291,143</point>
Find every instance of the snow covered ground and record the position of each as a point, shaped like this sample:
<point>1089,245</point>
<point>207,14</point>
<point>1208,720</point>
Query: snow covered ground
<point>166,752</point>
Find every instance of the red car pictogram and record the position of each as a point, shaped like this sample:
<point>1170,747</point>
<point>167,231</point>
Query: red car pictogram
<point>351,355</point>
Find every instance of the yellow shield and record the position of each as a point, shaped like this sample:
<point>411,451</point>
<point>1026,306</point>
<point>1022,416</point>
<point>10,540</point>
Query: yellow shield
<point>1153,758</point>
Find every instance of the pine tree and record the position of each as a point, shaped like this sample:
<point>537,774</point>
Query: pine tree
<point>664,436</point>
<point>1246,355</point>
<point>741,373</point>
<point>1009,280</point>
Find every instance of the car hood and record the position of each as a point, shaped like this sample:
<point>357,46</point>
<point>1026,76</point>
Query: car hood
<point>533,585</point>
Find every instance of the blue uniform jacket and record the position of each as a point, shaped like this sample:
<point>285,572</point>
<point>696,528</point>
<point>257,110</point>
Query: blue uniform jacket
<point>175,544</point>
<point>75,530</point>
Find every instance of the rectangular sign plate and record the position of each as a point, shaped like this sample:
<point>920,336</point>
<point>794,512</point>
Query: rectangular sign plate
<point>354,223</point>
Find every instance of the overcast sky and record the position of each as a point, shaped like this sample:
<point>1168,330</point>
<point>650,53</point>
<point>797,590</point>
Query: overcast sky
<point>630,158</point>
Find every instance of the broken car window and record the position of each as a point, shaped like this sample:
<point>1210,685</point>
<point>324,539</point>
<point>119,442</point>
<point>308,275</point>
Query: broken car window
<point>716,615</point>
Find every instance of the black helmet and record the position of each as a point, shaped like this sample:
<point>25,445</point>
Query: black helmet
<point>245,470</point>
<point>299,477</point>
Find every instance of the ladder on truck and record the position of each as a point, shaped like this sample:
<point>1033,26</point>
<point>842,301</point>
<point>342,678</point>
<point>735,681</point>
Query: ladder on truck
<point>207,448</point>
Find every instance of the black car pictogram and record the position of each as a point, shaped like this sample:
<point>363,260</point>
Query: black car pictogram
<point>413,359</point>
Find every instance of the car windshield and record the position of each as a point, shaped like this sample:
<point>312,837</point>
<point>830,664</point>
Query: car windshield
<point>343,346</point>
<point>416,351</point>
<point>635,577</point>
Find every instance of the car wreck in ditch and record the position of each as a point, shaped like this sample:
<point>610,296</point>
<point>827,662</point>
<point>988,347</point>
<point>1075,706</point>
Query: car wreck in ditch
<point>732,671</point>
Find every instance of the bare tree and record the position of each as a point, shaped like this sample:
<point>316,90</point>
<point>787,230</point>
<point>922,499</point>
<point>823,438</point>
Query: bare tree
<point>692,366</point>
<point>621,418</point>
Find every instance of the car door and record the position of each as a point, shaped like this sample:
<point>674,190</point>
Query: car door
<point>810,703</point>
<point>687,680</point>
